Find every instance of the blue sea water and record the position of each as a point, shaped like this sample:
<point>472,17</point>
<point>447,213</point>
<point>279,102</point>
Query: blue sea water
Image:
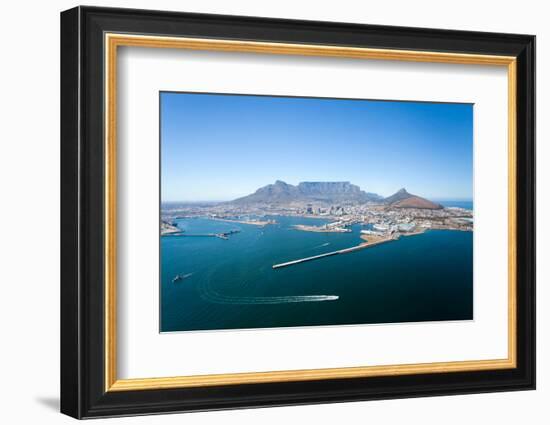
<point>230,284</point>
<point>469,205</point>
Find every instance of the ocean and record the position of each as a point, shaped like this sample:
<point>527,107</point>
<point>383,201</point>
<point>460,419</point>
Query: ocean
<point>230,284</point>
<point>469,205</point>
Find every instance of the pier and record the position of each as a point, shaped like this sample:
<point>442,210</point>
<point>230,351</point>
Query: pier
<point>208,235</point>
<point>224,235</point>
<point>303,260</point>
<point>340,251</point>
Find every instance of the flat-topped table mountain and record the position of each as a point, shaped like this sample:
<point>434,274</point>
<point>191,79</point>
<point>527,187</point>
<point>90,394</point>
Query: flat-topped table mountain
<point>330,192</point>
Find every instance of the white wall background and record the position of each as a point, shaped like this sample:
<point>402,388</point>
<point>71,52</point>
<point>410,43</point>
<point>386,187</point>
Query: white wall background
<point>29,225</point>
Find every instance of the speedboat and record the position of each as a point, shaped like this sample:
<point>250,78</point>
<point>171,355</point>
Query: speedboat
<point>179,277</point>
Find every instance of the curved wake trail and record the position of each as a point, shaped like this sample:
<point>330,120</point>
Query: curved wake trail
<point>210,295</point>
<point>216,298</point>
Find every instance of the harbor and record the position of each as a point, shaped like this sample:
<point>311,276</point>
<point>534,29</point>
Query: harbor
<point>238,275</point>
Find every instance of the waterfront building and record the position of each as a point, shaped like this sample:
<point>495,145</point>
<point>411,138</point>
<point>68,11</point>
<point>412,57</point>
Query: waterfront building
<point>406,227</point>
<point>381,227</point>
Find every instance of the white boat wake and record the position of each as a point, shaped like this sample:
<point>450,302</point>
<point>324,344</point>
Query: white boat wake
<point>317,247</point>
<point>212,296</point>
<point>216,298</point>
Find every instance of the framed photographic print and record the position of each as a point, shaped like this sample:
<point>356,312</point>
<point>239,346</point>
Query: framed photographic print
<point>261,212</point>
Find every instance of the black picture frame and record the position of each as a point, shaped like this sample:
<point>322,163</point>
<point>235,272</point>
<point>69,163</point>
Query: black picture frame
<point>83,392</point>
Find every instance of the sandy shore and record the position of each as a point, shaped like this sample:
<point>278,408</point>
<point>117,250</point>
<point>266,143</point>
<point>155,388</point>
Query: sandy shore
<point>374,239</point>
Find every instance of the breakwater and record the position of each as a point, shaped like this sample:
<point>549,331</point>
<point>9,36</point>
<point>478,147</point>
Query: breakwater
<point>338,252</point>
<point>223,235</point>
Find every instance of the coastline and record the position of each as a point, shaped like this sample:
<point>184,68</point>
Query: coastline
<point>169,229</point>
<point>320,229</point>
<point>251,222</point>
<point>419,232</point>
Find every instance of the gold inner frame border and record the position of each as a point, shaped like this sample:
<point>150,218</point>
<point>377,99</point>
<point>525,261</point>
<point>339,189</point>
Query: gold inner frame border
<point>113,40</point>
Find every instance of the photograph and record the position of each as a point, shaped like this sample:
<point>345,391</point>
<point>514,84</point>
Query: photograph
<point>280,211</point>
<point>283,209</point>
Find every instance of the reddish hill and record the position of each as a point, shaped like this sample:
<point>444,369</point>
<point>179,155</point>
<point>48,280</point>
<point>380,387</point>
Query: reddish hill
<point>417,202</point>
<point>403,199</point>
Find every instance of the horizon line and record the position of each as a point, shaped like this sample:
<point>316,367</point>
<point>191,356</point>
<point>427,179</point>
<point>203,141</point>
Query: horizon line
<point>198,201</point>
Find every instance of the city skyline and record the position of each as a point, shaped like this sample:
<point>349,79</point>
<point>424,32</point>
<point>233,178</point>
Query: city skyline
<point>220,147</point>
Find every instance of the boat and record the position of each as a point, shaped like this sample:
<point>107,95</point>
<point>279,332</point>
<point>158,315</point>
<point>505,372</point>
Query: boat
<point>179,277</point>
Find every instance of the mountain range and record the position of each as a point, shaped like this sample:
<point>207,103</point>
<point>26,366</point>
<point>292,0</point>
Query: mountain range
<point>331,192</point>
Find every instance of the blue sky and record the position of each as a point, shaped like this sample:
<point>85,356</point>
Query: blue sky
<point>220,147</point>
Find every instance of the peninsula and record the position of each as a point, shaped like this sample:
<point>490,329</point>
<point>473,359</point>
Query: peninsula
<point>167,228</point>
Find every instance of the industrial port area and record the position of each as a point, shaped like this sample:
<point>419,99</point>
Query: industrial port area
<point>340,205</point>
<point>378,219</point>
